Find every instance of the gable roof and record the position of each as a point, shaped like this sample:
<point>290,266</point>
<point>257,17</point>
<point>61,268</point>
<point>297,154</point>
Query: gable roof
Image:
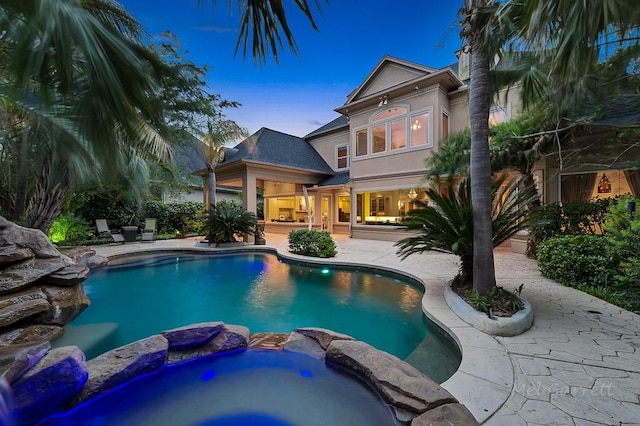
<point>412,70</point>
<point>279,149</point>
<point>395,77</point>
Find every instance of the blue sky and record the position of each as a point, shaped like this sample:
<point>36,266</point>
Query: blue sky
<point>300,93</point>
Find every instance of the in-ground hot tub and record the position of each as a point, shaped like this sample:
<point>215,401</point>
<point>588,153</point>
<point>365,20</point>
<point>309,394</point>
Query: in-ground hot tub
<point>253,387</point>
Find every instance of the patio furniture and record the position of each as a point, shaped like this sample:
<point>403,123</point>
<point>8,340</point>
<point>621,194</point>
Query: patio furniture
<point>129,233</point>
<point>149,230</point>
<point>104,231</point>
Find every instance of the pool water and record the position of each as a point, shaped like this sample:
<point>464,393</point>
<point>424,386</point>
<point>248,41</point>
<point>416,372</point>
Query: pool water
<point>248,388</point>
<point>141,298</point>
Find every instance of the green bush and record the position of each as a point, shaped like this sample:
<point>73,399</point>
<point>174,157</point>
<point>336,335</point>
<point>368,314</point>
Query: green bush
<point>577,260</point>
<point>68,229</point>
<point>309,242</point>
<point>625,234</point>
<point>582,218</point>
<point>228,220</point>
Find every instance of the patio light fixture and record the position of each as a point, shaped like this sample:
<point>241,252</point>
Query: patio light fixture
<point>604,186</point>
<point>383,100</point>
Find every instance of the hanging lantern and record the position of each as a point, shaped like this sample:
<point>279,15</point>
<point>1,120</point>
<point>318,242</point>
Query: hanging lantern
<point>604,186</point>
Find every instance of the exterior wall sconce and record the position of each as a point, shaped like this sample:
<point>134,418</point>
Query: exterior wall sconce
<point>412,194</point>
<point>604,186</point>
<point>383,100</point>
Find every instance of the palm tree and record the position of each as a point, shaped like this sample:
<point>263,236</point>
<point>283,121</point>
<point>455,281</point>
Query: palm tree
<point>218,133</point>
<point>261,25</point>
<point>478,22</point>
<point>79,103</point>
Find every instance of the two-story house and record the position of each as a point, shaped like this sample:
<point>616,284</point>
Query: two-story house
<point>361,173</point>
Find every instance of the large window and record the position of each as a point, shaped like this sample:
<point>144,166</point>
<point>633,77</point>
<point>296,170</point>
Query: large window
<point>420,129</point>
<point>393,130</point>
<point>379,138</point>
<point>386,207</point>
<point>342,154</point>
<point>398,134</point>
<point>361,142</point>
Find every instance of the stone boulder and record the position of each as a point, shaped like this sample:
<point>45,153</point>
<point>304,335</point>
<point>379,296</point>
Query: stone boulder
<point>19,306</point>
<point>69,275</point>
<point>96,261</point>
<point>231,337</point>
<point>33,239</point>
<point>120,365</point>
<point>398,383</point>
<point>446,415</point>
<point>302,344</point>
<point>49,385</point>
<point>16,362</point>
<point>30,334</point>
<point>192,335</point>
<point>323,336</point>
<point>65,304</point>
<point>28,272</point>
<point>79,254</point>
<point>10,254</point>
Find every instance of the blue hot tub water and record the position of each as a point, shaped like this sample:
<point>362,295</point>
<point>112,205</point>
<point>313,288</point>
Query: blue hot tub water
<point>142,297</point>
<point>268,388</point>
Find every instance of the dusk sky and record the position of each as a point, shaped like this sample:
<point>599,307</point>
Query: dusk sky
<point>299,94</point>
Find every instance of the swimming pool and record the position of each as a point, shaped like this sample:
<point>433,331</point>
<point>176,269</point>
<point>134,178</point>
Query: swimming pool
<point>141,297</point>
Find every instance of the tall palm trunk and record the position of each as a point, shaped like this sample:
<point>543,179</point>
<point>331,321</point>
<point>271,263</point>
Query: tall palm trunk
<point>48,199</point>
<point>484,277</point>
<point>211,179</point>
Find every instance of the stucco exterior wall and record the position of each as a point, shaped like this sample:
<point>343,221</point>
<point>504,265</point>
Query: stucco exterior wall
<point>326,145</point>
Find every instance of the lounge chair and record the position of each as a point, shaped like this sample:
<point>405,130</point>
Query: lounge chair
<point>104,231</point>
<point>149,231</point>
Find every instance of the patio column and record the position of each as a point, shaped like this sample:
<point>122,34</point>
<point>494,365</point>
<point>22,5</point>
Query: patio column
<point>249,193</point>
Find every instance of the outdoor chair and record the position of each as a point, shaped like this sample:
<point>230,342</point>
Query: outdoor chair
<point>104,231</point>
<point>149,230</point>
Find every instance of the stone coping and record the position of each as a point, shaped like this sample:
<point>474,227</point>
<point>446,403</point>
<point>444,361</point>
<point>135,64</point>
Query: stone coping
<point>59,379</point>
<point>485,378</point>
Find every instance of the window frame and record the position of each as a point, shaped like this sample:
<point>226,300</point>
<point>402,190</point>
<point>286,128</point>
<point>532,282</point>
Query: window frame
<point>347,156</point>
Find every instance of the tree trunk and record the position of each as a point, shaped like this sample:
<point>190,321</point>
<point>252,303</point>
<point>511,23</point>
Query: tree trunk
<point>22,161</point>
<point>484,277</point>
<point>47,201</point>
<point>212,187</point>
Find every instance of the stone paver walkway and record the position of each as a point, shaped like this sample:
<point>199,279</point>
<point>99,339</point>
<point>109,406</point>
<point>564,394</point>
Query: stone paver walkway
<point>579,364</point>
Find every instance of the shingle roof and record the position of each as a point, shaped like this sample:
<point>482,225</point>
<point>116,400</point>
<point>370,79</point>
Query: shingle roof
<point>620,111</point>
<point>272,147</point>
<point>341,178</point>
<point>341,121</point>
<point>188,157</point>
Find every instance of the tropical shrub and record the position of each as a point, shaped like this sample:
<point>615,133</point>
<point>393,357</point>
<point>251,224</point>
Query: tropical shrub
<point>581,218</point>
<point>445,223</point>
<point>228,220</point>
<point>67,229</point>
<point>579,260</point>
<point>624,232</point>
<point>309,242</point>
